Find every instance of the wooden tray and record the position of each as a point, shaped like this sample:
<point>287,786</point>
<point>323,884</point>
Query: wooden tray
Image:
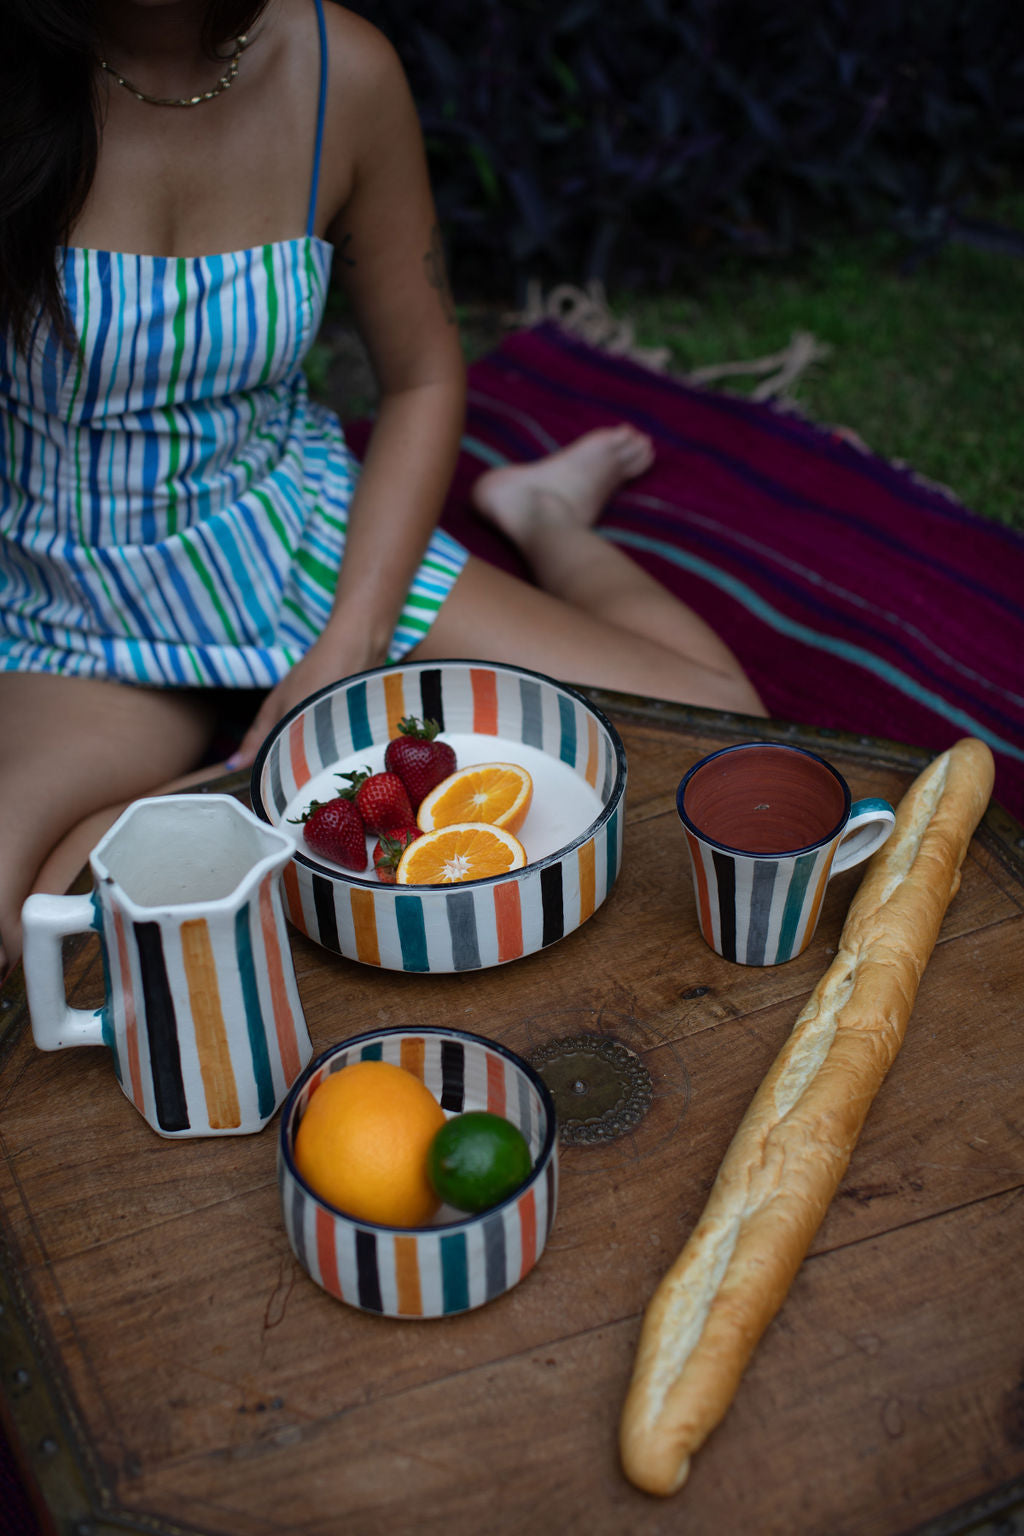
<point>169,1368</point>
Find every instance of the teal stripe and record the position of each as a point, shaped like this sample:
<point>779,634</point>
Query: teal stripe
<point>253,1014</point>
<point>372,1052</point>
<point>479,450</point>
<point>454,1272</point>
<point>567,720</point>
<point>359,718</point>
<point>794,905</point>
<point>833,646</point>
<point>412,934</point>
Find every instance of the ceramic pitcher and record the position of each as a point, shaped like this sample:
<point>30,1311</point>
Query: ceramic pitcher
<point>201,1014</point>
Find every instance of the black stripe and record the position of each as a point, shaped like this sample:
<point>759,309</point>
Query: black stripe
<point>453,1075</point>
<point>551,903</point>
<point>367,1272</point>
<point>430,696</point>
<point>725,873</point>
<point>326,917</point>
<point>162,1030</point>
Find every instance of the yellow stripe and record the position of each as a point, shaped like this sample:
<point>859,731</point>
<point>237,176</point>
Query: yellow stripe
<point>592,753</point>
<point>585,860</point>
<point>218,1075</point>
<point>365,923</point>
<point>407,1277</point>
<point>394,701</point>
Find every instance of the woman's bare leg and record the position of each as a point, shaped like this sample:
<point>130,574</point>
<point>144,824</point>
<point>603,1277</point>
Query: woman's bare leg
<point>599,618</point>
<point>73,753</point>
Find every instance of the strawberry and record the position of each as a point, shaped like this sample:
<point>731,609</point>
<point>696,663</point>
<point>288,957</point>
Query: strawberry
<point>390,847</point>
<point>419,760</point>
<point>334,829</point>
<point>380,798</point>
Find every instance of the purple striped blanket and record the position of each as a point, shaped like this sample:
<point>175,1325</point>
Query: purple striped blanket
<point>857,597</point>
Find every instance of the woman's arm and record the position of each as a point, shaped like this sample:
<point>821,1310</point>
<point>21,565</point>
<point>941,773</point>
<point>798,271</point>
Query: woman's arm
<point>392,267</point>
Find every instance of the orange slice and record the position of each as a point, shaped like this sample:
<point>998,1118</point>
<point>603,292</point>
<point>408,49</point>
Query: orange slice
<point>498,793</point>
<point>467,850</point>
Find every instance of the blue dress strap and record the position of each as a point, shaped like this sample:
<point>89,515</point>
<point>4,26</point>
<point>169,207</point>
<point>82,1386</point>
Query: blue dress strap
<point>321,104</point>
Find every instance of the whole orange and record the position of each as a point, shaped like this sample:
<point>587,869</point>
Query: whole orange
<point>362,1143</point>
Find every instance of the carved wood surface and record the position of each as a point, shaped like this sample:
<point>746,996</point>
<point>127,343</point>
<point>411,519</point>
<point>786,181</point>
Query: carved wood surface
<point>168,1367</point>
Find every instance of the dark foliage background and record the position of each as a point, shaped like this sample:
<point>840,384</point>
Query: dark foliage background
<point>621,139</point>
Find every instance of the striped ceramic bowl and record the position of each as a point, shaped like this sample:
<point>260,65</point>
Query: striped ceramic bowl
<point>489,713</point>
<point>459,1262</point>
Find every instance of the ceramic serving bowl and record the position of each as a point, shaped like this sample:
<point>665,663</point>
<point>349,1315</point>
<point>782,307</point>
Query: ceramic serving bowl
<point>460,1262</point>
<point>489,713</point>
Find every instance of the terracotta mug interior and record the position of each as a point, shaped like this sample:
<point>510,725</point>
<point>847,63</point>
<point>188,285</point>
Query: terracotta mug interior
<point>765,798</point>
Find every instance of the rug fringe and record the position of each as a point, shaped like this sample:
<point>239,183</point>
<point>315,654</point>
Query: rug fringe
<point>586,314</point>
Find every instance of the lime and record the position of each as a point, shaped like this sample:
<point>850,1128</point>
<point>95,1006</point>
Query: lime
<point>477,1159</point>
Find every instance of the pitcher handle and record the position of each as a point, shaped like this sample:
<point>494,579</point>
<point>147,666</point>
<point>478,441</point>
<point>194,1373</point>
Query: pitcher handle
<point>46,922</point>
<point>869,825</point>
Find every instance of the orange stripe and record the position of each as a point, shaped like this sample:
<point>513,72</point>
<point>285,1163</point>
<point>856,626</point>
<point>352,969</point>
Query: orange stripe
<point>222,1110</point>
<point>495,1085</point>
<point>508,918</point>
<point>297,752</point>
<point>365,923</point>
<point>326,1255</point>
<point>528,1226</point>
<point>819,897</point>
<point>292,896</point>
<point>412,1055</point>
<point>394,701</point>
<point>703,900</point>
<point>592,752</point>
<point>407,1277</point>
<point>585,861</point>
<point>284,1020</point>
<point>485,701</point>
<point>131,1023</point>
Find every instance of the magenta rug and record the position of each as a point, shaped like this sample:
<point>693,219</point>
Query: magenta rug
<point>857,597</point>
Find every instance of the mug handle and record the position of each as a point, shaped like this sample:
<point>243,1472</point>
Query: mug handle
<point>46,922</point>
<point>869,825</point>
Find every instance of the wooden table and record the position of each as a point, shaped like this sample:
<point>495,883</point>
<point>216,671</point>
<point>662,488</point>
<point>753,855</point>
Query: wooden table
<point>168,1367</point>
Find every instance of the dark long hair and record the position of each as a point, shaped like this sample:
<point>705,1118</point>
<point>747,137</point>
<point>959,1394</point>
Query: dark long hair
<point>49,140</point>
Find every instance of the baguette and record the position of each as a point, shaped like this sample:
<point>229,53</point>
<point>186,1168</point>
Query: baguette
<point>793,1146</point>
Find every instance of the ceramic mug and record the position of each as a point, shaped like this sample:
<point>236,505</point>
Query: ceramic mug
<point>202,1013</point>
<point>767,826</point>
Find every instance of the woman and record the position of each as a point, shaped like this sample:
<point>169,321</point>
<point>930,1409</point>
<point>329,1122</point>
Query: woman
<point>172,507</point>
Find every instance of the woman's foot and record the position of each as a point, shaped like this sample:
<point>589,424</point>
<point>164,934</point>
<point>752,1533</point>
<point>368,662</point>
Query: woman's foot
<point>568,487</point>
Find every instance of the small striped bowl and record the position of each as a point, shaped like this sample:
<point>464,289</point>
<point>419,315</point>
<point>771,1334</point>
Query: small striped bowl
<point>519,715</point>
<point>452,1266</point>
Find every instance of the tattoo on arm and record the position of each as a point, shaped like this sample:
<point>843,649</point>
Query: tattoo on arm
<point>437,276</point>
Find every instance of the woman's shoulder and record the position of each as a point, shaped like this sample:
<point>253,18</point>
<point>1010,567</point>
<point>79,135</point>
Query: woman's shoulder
<point>360,55</point>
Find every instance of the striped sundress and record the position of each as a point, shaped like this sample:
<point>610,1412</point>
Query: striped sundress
<point>172,504</point>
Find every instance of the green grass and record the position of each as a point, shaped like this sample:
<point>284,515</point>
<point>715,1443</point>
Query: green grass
<point>926,366</point>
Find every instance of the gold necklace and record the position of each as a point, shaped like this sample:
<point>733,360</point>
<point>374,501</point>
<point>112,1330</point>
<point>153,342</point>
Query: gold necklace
<point>223,84</point>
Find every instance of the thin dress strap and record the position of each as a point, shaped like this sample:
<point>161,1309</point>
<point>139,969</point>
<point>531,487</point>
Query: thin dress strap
<point>314,188</point>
